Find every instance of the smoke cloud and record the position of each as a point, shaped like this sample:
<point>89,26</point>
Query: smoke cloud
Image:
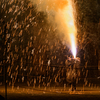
<point>56,10</point>
<point>55,5</point>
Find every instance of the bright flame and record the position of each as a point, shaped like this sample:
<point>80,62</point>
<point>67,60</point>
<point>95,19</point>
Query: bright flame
<point>69,21</point>
<point>73,45</point>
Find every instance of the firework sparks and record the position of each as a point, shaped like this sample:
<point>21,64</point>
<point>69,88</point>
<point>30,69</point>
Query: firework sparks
<point>64,18</point>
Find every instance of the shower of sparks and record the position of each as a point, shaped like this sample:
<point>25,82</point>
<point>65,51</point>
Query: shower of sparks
<point>64,18</point>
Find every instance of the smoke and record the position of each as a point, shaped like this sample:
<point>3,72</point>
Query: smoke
<point>50,5</point>
<point>56,10</point>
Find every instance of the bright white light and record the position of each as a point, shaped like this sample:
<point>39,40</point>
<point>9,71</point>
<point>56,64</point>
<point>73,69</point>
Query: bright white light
<point>73,45</point>
<point>71,23</point>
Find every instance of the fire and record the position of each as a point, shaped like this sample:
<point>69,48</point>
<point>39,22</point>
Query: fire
<point>69,21</point>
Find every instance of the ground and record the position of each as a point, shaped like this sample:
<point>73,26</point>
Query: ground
<point>58,93</point>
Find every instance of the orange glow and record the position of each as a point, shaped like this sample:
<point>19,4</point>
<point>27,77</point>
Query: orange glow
<point>60,4</point>
<point>56,4</point>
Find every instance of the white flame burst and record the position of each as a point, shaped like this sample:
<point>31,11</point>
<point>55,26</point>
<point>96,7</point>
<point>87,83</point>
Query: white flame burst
<point>73,45</point>
<point>69,17</point>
